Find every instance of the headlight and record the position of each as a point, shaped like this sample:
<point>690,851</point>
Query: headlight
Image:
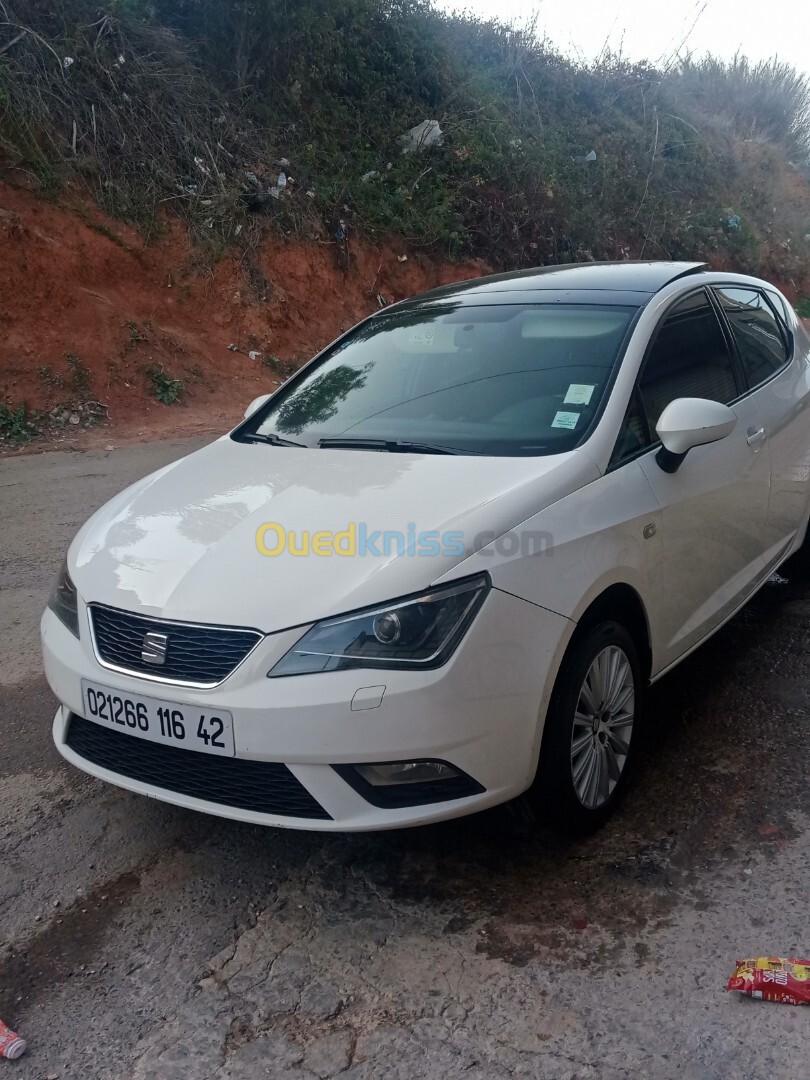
<point>416,632</point>
<point>63,602</point>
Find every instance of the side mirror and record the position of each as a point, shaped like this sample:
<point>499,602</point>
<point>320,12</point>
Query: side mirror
<point>689,422</point>
<point>256,404</point>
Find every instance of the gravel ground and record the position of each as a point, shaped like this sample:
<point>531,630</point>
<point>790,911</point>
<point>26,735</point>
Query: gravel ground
<point>144,941</point>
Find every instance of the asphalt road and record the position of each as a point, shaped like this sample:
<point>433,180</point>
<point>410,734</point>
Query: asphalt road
<point>144,941</point>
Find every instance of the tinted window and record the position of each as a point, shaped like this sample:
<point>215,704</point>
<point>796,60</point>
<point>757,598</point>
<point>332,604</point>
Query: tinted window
<point>783,309</point>
<point>759,338</point>
<point>633,433</point>
<point>502,379</point>
<point>689,358</point>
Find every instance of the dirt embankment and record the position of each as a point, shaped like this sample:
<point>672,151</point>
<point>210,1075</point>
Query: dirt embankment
<point>87,311</point>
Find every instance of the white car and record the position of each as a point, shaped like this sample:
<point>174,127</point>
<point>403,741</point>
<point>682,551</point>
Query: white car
<point>438,568</point>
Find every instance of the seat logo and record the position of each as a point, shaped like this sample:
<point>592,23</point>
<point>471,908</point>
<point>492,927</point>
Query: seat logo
<point>154,648</point>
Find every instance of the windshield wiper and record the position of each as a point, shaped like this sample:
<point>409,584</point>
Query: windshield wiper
<point>390,446</point>
<point>271,440</point>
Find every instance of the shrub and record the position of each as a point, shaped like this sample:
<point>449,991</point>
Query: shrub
<point>190,105</point>
<point>79,375</point>
<point>767,101</point>
<point>16,424</point>
<point>166,389</point>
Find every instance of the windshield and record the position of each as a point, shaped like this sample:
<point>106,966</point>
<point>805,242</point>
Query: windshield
<point>495,380</point>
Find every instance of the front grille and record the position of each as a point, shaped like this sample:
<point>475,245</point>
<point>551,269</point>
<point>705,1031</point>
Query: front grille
<point>198,655</point>
<point>262,786</point>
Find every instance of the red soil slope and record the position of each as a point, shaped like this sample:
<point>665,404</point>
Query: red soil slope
<point>74,283</point>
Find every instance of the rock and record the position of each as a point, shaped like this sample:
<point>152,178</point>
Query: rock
<point>329,1055</point>
<point>322,1000</point>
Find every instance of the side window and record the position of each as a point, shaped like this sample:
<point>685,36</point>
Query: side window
<point>783,309</point>
<point>759,338</point>
<point>632,435</point>
<point>689,358</point>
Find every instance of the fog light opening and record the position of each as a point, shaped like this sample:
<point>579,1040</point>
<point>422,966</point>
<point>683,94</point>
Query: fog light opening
<point>395,785</point>
<point>406,772</point>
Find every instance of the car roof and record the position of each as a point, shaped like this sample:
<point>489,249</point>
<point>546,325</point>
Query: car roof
<point>642,278</point>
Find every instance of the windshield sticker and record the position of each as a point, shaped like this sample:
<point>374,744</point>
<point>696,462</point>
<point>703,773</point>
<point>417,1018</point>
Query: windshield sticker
<point>565,420</point>
<point>421,336</point>
<point>579,394</point>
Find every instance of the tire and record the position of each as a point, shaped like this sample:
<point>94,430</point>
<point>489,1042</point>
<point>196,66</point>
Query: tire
<point>576,790</point>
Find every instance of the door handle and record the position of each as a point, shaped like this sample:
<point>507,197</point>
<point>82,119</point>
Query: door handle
<point>755,436</point>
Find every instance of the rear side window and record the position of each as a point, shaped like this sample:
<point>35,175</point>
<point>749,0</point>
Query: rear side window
<point>760,340</point>
<point>783,310</point>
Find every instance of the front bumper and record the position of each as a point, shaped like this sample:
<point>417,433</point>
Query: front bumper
<point>479,713</point>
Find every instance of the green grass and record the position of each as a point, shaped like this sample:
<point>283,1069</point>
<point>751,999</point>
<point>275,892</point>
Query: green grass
<point>803,308</point>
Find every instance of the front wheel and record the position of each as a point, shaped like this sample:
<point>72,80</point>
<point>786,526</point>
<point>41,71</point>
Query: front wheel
<point>591,731</point>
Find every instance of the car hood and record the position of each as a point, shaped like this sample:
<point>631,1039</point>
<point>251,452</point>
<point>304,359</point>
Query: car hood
<point>181,543</point>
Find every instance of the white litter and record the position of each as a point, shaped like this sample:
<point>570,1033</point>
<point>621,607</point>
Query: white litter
<point>428,133</point>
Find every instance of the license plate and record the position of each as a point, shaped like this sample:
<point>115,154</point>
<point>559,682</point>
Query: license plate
<point>207,730</point>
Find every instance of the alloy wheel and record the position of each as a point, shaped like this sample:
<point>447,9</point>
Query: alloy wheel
<point>603,727</point>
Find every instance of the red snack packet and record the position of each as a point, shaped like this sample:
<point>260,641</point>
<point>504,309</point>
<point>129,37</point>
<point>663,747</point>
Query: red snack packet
<point>773,978</point>
<point>11,1045</point>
